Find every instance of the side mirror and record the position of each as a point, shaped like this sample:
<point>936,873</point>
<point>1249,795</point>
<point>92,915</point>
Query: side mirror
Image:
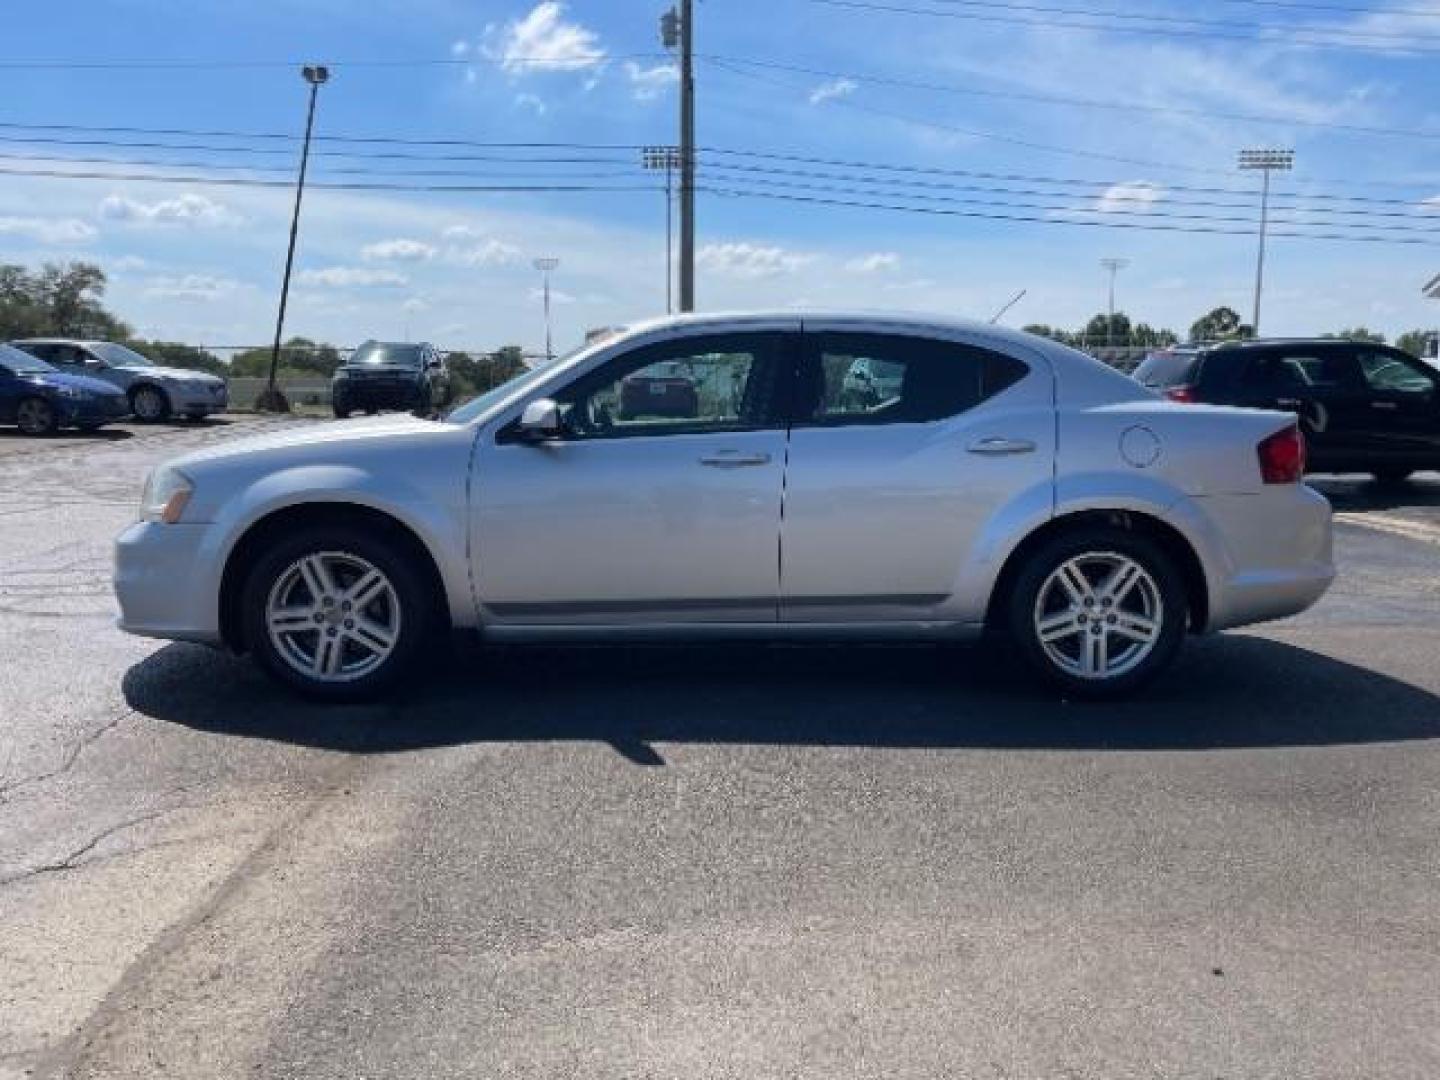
<point>540,421</point>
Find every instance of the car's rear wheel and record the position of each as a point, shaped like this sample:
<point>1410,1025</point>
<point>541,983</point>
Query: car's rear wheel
<point>341,412</point>
<point>36,416</point>
<point>338,614</point>
<point>1098,612</point>
<point>149,404</point>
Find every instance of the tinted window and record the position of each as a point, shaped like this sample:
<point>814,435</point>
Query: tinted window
<point>1387,372</point>
<point>1168,368</point>
<point>1278,373</point>
<point>16,360</point>
<point>119,355</point>
<point>891,379</point>
<point>1320,370</point>
<point>375,352</point>
<point>721,382</point>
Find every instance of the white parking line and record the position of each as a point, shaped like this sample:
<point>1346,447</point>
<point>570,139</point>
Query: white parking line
<point>1411,530</point>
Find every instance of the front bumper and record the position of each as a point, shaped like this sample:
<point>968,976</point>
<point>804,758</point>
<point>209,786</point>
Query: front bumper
<point>166,584</point>
<point>93,410</point>
<point>363,393</point>
<point>199,401</point>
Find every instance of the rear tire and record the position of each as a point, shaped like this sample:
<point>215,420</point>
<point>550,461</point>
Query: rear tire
<point>1098,612</point>
<point>150,404</point>
<point>338,614</point>
<point>36,416</point>
<point>341,413</point>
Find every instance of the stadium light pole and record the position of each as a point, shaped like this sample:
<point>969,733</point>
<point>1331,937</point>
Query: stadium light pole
<point>271,399</point>
<point>545,266</point>
<point>1265,162</point>
<point>1114,266</point>
<point>668,159</point>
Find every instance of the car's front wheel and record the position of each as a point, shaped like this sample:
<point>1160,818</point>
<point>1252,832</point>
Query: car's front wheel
<point>1098,612</point>
<point>150,404</point>
<point>338,614</point>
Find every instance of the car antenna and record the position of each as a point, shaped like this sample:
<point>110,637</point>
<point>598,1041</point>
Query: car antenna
<point>1013,301</point>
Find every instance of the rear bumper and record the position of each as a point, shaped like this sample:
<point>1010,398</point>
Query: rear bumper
<point>1266,555</point>
<point>164,584</point>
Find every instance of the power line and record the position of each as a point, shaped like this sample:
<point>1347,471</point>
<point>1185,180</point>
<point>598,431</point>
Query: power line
<point>1075,102</point>
<point>1043,220</point>
<point>1347,9</point>
<point>1285,35</point>
<point>577,60</point>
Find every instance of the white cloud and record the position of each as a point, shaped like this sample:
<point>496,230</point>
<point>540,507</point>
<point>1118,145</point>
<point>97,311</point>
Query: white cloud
<point>835,88</point>
<point>201,287</point>
<point>1133,196</point>
<point>398,250</point>
<point>485,253</point>
<point>190,208</point>
<point>544,41</point>
<point>128,262</point>
<point>873,263</point>
<point>459,48</point>
<point>342,277</point>
<point>557,296</point>
<point>745,260</point>
<point>531,101</point>
<point>415,303</point>
<point>648,83</point>
<point>48,230</point>
<point>1432,203</point>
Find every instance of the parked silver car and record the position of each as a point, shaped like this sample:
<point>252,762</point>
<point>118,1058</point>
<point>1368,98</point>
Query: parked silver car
<point>156,393</point>
<point>1012,483</point>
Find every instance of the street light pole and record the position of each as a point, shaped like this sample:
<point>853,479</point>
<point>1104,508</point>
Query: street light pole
<point>1266,162</point>
<point>1114,266</point>
<point>546,265</point>
<point>677,30</point>
<point>271,399</point>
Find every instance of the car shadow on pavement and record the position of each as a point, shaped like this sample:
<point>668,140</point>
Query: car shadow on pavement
<point>1227,692</point>
<point>1350,493</point>
<point>99,435</point>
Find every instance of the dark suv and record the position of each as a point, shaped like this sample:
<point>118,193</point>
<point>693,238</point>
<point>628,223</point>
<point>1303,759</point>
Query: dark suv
<point>388,375</point>
<point>1363,407</point>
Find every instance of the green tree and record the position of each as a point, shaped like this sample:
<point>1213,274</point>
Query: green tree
<point>60,299</point>
<point>1221,324</point>
<point>1413,341</point>
<point>1054,333</point>
<point>1103,329</point>
<point>1146,335</point>
<point>1358,333</point>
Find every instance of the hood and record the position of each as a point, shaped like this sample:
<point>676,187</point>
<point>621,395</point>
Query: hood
<point>77,382</point>
<point>179,374</point>
<point>299,435</point>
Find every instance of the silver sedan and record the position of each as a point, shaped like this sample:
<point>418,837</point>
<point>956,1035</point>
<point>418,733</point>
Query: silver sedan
<point>993,480</point>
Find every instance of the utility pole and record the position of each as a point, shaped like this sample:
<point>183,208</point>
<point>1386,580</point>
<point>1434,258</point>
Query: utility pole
<point>271,399</point>
<point>668,159</point>
<point>1266,162</point>
<point>545,266</point>
<point>678,29</point>
<point>1114,266</point>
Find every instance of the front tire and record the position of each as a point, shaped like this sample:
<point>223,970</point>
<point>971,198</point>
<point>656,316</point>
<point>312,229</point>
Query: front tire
<point>36,416</point>
<point>1098,612</point>
<point>150,404</point>
<point>337,614</point>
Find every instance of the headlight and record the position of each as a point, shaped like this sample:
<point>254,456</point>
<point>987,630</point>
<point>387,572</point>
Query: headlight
<point>167,491</point>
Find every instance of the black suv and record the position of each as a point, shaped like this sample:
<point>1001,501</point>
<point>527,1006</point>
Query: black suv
<point>1363,407</point>
<point>388,375</point>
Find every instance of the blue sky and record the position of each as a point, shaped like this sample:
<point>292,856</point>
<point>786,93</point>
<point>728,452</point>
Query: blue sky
<point>202,262</point>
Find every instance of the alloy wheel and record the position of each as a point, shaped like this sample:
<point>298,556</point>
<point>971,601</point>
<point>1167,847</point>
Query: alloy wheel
<point>1098,615</point>
<point>149,405</point>
<point>333,616</point>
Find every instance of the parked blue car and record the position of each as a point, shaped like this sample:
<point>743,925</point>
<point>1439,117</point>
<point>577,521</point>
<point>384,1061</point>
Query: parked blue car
<point>39,400</point>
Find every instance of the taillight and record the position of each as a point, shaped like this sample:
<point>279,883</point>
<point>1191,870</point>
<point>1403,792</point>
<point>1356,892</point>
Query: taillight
<point>1184,394</point>
<point>1282,456</point>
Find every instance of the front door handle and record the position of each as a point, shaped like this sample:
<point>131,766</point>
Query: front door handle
<point>731,459</point>
<point>1384,405</point>
<point>999,446</point>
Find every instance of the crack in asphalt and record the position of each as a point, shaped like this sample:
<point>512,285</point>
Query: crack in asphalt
<point>76,858</point>
<point>72,755</point>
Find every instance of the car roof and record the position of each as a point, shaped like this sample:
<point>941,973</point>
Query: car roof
<point>57,341</point>
<point>830,317</point>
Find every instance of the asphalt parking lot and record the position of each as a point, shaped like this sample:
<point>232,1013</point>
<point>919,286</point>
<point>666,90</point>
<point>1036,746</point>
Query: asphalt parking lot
<point>687,862</point>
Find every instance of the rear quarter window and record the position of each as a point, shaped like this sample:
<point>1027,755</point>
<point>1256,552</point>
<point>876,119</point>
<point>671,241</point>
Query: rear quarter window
<point>1163,369</point>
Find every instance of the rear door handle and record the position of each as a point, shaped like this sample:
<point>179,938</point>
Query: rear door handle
<point>999,446</point>
<point>1384,405</point>
<point>731,459</point>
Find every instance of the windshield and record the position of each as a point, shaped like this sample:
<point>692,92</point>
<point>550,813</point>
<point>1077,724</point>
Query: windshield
<point>478,406</point>
<point>18,361</point>
<point>375,352</point>
<point>119,356</point>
